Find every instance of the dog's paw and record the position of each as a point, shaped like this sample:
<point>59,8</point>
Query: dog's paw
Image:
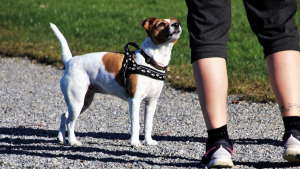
<point>75,143</point>
<point>136,143</point>
<point>62,142</point>
<point>150,142</point>
<point>61,139</point>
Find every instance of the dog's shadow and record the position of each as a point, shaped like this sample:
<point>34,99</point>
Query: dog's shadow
<point>45,144</point>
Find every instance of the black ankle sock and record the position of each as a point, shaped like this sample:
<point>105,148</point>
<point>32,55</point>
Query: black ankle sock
<point>218,133</point>
<point>291,123</point>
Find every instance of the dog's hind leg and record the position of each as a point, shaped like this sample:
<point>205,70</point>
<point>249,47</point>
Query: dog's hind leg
<point>74,108</point>
<point>62,129</point>
<point>74,94</point>
<point>150,107</point>
<point>87,101</point>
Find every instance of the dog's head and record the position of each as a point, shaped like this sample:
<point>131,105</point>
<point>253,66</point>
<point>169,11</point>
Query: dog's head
<point>162,30</point>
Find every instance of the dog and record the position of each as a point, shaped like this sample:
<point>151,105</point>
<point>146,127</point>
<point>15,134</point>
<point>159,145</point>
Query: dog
<point>100,73</point>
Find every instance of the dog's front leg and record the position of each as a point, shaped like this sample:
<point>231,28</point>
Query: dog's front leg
<point>134,108</point>
<point>148,121</point>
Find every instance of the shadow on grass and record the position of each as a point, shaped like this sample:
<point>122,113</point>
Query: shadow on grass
<point>39,147</point>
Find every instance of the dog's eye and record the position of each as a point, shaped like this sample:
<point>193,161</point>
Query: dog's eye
<point>162,24</point>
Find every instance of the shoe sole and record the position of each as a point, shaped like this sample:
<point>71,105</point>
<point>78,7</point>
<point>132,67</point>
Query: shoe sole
<point>224,163</point>
<point>292,155</point>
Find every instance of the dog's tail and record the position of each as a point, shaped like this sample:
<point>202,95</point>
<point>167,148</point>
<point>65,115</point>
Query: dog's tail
<point>65,50</point>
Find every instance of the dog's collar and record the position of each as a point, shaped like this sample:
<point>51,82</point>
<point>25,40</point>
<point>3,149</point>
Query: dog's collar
<point>152,62</point>
<point>129,66</point>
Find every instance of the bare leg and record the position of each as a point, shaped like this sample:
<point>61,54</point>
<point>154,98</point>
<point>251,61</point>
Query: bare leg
<point>211,80</point>
<point>284,73</point>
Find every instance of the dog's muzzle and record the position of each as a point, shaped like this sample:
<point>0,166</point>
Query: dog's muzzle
<point>174,29</point>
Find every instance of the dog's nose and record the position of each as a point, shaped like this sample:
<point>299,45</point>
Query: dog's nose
<point>176,25</point>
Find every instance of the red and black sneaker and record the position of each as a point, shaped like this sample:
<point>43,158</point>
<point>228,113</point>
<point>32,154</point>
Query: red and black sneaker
<point>218,154</point>
<point>291,141</point>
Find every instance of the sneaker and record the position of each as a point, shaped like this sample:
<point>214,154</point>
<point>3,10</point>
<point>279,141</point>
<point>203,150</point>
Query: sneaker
<point>291,141</point>
<point>218,154</point>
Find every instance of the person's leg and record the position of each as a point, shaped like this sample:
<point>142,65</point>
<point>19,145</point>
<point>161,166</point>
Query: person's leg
<point>211,81</point>
<point>284,73</point>
<point>274,25</point>
<point>210,76</point>
<point>208,24</point>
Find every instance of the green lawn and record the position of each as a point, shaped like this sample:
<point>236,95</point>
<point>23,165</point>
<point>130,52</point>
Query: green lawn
<point>102,25</point>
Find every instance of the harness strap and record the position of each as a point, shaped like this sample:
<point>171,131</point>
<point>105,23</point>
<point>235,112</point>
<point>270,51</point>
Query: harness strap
<point>129,66</point>
<point>152,62</point>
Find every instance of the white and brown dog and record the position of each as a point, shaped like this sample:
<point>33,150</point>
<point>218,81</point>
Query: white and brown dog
<point>100,73</point>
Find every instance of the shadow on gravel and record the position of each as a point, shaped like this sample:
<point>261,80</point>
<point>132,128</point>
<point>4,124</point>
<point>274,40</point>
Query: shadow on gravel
<point>258,141</point>
<point>46,145</point>
<point>125,136</point>
<point>41,147</point>
<point>266,164</point>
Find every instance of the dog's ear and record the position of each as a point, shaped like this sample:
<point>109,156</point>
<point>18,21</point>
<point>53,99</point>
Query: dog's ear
<point>147,22</point>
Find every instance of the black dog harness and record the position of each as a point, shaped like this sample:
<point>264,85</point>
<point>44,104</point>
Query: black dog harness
<point>129,66</point>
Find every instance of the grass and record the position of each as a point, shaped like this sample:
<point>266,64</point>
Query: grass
<point>107,25</point>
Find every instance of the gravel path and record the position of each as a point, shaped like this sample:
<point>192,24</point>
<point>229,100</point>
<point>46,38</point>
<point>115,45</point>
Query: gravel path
<point>31,104</point>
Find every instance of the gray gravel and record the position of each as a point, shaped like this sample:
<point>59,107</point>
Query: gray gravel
<point>31,104</point>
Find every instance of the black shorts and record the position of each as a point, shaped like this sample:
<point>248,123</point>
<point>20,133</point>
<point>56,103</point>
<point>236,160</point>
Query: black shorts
<point>272,22</point>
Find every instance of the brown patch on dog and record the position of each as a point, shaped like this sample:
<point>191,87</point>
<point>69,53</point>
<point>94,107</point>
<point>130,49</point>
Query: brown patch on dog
<point>132,83</point>
<point>113,64</point>
<point>147,23</point>
<point>172,19</point>
<point>175,42</point>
